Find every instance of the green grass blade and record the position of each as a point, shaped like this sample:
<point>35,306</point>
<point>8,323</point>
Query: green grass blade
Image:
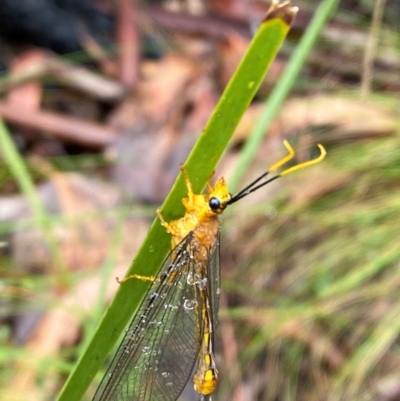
<point>20,172</point>
<point>200,165</point>
<point>282,88</point>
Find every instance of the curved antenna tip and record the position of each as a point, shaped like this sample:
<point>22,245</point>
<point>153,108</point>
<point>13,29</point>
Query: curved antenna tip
<point>308,163</point>
<point>323,152</point>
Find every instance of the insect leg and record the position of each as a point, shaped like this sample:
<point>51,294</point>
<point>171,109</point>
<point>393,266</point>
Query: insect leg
<point>167,226</point>
<point>136,276</point>
<point>209,186</point>
<point>187,181</point>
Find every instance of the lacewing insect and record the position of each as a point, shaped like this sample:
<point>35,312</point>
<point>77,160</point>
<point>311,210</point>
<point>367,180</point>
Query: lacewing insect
<point>172,335</point>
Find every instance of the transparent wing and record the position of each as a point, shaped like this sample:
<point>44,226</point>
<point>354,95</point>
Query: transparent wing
<point>214,279</point>
<point>156,357</point>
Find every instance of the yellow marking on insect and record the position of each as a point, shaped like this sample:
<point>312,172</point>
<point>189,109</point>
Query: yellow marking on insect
<point>188,283</point>
<point>199,217</point>
<point>206,383</point>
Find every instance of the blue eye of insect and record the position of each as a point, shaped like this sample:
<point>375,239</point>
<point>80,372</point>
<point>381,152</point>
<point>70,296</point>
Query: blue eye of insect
<point>214,203</point>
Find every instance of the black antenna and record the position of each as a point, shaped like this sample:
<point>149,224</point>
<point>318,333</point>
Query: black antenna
<point>253,187</point>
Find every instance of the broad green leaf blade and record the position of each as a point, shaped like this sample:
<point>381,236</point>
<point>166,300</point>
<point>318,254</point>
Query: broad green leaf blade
<point>200,165</point>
